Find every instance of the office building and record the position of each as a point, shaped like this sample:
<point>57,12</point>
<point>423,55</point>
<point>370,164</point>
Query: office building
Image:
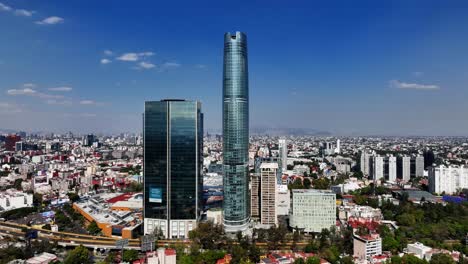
<point>236,133</point>
<point>312,210</point>
<point>367,246</point>
<point>173,143</point>
<point>10,142</point>
<point>268,172</point>
<point>447,180</point>
<point>283,154</point>
<point>392,169</point>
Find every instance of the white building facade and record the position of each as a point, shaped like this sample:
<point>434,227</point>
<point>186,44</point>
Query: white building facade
<point>313,210</point>
<point>448,179</point>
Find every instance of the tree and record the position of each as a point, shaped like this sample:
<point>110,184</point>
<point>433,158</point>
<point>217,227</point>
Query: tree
<point>411,259</point>
<point>208,235</point>
<point>17,184</point>
<point>299,261</point>
<point>130,255</point>
<point>79,255</point>
<point>313,260</point>
<point>347,260</point>
<point>307,183</point>
<point>73,197</point>
<point>441,259</point>
<point>93,228</point>
<point>321,184</point>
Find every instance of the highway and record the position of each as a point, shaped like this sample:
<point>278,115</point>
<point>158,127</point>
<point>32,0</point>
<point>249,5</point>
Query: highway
<point>73,239</point>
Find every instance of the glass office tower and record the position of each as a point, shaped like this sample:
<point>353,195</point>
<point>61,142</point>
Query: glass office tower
<point>236,133</point>
<point>173,184</point>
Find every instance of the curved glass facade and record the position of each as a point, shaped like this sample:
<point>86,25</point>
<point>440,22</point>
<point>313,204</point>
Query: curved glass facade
<point>235,132</point>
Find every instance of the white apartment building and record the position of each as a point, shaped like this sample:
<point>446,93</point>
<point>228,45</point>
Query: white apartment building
<point>392,169</point>
<point>378,167</point>
<point>366,163</point>
<point>406,174</point>
<point>447,179</point>
<point>419,166</point>
<point>268,186</point>
<point>13,199</point>
<point>367,246</point>
<point>313,210</point>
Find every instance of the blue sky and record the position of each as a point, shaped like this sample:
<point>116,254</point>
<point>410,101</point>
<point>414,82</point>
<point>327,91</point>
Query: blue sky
<point>348,67</point>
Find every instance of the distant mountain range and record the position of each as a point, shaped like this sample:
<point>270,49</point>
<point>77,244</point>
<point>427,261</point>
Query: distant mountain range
<point>280,131</point>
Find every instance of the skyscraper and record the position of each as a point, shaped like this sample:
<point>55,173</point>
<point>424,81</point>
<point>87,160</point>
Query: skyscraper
<point>283,154</point>
<point>173,143</point>
<point>235,133</point>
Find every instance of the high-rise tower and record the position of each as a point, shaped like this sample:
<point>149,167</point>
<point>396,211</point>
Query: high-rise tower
<point>236,133</point>
<point>173,143</point>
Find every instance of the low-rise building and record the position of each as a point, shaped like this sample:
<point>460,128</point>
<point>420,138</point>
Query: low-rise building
<point>367,246</point>
<point>13,199</point>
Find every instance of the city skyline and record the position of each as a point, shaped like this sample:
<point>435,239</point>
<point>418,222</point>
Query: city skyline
<point>399,72</point>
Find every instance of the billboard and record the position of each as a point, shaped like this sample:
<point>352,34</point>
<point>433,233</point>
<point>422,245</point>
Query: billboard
<point>155,195</point>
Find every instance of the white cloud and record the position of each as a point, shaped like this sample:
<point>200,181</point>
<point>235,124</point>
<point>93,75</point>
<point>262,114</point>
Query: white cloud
<point>146,65</point>
<point>200,66</point>
<point>133,56</point>
<point>105,61</point>
<point>108,52</point>
<point>146,54</point>
<point>29,85</point>
<point>171,65</point>
<point>61,89</point>
<point>416,86</point>
<point>28,90</point>
<point>4,7</point>
<point>128,57</point>
<point>57,102</point>
<point>418,74</point>
<point>51,21</point>
<point>87,102</point>
<point>24,91</point>
<point>23,12</point>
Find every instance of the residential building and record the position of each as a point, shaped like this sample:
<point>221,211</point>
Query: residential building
<point>313,210</point>
<point>236,133</point>
<point>448,180</point>
<point>392,169</point>
<point>173,140</point>
<point>406,166</point>
<point>13,199</point>
<point>378,168</point>
<point>419,166</point>
<point>366,246</point>
<point>268,172</point>
<point>255,196</point>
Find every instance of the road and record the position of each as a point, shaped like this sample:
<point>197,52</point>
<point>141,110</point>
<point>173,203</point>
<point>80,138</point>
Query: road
<point>73,239</point>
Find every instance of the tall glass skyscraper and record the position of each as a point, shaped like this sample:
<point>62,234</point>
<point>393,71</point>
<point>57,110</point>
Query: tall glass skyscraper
<point>236,133</point>
<point>173,184</point>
